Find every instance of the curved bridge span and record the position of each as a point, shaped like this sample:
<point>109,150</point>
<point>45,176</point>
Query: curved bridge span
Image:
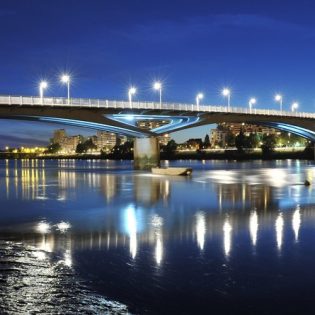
<point>122,117</point>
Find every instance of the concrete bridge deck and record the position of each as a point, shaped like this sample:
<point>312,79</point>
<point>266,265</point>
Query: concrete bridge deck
<point>113,104</point>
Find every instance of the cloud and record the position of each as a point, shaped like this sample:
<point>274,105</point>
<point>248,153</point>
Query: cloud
<point>20,141</point>
<point>167,30</point>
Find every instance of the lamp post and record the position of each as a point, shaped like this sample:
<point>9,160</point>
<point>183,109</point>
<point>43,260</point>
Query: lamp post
<point>251,102</point>
<point>131,92</point>
<point>278,98</point>
<point>42,86</point>
<point>65,78</point>
<point>294,107</point>
<point>198,98</point>
<point>158,87</point>
<point>227,93</point>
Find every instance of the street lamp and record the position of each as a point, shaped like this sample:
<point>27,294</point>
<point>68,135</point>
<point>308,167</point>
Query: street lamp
<point>278,98</point>
<point>198,98</point>
<point>294,106</point>
<point>251,102</point>
<point>42,86</point>
<point>227,93</point>
<point>65,78</point>
<point>131,92</point>
<point>158,87</point>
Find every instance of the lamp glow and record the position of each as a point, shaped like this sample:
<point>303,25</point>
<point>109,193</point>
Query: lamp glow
<point>294,106</point>
<point>65,78</point>
<point>278,98</point>
<point>42,86</point>
<point>132,91</point>
<point>158,87</point>
<point>251,102</point>
<point>227,93</point>
<point>198,98</point>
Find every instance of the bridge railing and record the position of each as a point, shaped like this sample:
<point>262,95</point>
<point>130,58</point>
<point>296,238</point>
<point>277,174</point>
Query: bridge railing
<point>101,103</point>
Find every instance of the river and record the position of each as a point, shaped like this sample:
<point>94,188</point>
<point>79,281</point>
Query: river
<point>97,237</point>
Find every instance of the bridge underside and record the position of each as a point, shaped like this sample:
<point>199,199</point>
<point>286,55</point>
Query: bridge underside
<point>125,121</point>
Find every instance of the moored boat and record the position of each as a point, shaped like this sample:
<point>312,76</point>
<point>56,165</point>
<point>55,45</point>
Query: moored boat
<point>173,171</point>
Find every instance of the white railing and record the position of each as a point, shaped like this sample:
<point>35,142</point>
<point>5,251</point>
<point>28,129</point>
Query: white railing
<point>100,103</point>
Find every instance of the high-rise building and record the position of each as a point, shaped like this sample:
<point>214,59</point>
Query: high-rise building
<point>235,128</point>
<point>218,136</point>
<point>59,135</point>
<point>105,140</point>
<point>69,144</point>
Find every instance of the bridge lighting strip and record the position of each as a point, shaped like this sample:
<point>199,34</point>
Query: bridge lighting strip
<point>305,133</point>
<point>91,125</point>
<point>172,127</point>
<point>175,121</point>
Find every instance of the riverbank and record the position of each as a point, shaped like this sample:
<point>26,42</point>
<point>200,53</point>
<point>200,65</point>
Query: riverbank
<point>307,154</point>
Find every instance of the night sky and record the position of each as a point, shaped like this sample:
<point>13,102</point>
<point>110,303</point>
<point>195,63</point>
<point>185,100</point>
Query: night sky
<point>256,48</point>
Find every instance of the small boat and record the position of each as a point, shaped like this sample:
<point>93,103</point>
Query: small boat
<point>173,171</point>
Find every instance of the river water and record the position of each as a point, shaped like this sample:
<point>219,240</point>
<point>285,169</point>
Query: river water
<point>96,237</point>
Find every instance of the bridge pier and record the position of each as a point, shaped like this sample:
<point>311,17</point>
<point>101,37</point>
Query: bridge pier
<point>146,153</point>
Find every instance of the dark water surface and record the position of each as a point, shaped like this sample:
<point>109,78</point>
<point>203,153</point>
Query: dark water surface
<point>95,237</point>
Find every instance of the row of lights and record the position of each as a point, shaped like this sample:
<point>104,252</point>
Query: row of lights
<point>65,78</point>
<point>225,92</point>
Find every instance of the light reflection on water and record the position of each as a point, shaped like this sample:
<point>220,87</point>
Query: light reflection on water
<point>98,215</point>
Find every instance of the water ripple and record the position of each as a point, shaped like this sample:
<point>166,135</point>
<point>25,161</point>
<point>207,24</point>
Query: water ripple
<point>29,284</point>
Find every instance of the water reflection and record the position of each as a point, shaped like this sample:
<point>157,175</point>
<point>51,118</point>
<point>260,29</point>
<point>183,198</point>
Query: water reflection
<point>227,236</point>
<point>157,223</point>
<point>131,224</point>
<point>201,229</point>
<point>142,204</point>
<point>296,222</point>
<point>253,226</point>
<point>140,230</point>
<point>279,230</point>
<point>25,179</point>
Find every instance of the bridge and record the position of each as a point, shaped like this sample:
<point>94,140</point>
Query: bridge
<point>122,117</point>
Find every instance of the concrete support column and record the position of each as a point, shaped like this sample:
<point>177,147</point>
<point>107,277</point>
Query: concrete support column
<point>146,153</point>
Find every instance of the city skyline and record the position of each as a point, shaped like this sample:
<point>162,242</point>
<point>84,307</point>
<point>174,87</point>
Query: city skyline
<point>256,51</point>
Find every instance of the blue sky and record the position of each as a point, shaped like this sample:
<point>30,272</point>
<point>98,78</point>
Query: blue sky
<point>257,48</point>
